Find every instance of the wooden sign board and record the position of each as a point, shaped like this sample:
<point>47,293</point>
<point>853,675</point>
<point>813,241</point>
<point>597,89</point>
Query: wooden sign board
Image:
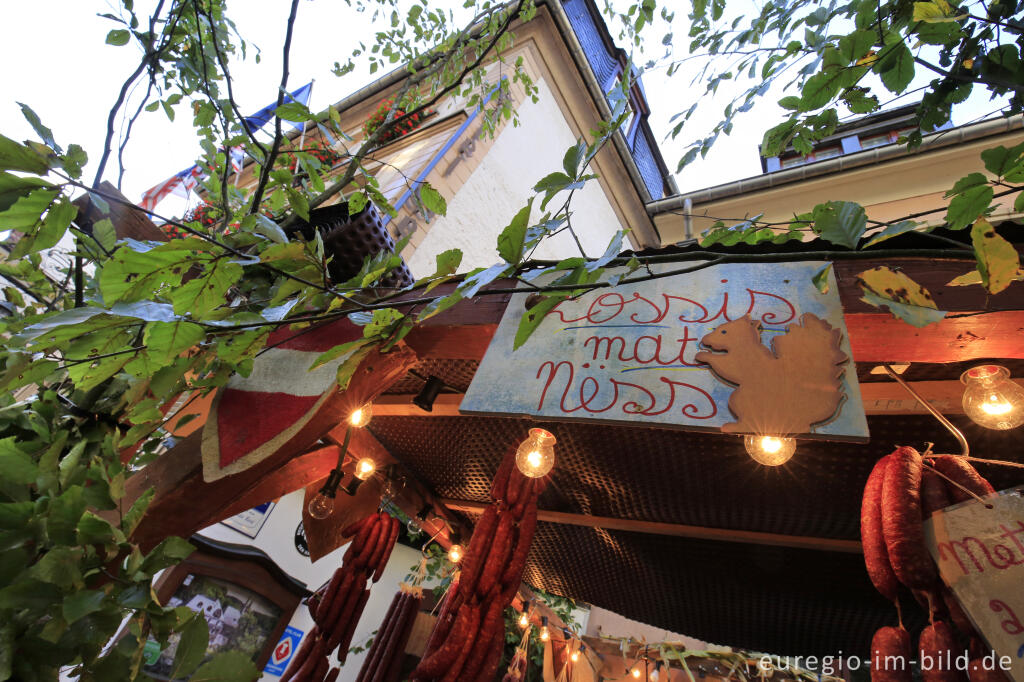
<point>980,553</point>
<point>628,354</point>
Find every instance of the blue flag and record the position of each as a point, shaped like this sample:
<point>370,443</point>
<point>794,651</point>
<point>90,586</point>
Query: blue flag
<point>264,115</point>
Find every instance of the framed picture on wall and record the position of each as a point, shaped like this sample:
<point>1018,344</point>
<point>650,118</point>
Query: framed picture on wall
<point>246,598</point>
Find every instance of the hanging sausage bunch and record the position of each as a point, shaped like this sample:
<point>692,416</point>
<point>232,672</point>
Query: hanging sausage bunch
<point>384,659</point>
<point>900,494</point>
<point>337,609</point>
<point>469,635</point>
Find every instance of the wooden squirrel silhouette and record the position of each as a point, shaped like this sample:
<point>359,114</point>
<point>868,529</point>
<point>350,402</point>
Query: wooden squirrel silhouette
<point>784,390</point>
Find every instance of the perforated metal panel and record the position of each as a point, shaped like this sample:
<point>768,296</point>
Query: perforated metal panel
<point>456,374</point>
<point>752,596</point>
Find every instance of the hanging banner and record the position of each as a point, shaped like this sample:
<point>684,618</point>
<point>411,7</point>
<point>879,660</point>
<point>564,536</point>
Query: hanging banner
<point>741,348</point>
<point>980,553</point>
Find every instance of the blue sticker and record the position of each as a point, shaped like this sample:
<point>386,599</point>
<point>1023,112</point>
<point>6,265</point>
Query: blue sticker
<point>282,653</point>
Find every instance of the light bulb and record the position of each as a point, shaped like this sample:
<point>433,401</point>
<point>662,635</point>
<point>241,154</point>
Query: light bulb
<point>544,634</point>
<point>361,416</point>
<point>635,672</point>
<point>536,455</point>
<point>524,620</point>
<point>321,506</point>
<point>455,553</point>
<point>770,451</point>
<point>991,399</point>
<point>574,656</point>
<point>365,468</point>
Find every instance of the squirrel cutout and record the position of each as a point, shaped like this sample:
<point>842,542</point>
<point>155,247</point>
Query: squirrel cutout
<point>784,390</point>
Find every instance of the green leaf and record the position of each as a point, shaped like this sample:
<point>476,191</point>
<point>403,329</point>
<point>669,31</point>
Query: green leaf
<point>969,181</point>
<point>432,199</point>
<point>200,296</point>
<point>169,552</point>
<point>339,351</point>
<point>80,604</point>
<point>272,231</point>
<point>13,187</point>
<point>818,91</point>
<point>821,278</point>
<point>195,637</point>
<point>896,67</point>
<point>14,515</point>
<point>968,206</point>
<point>893,230</point>
<point>14,156</point>
<point>1001,161</point>
<point>27,211</point>
<point>512,239</point>
<point>534,316</point>
<point>59,566</point>
<point>104,232</point>
<point>918,316</point>
<point>15,465</point>
<point>351,364</point>
<point>298,202</point>
<point>295,112</point>
<point>573,157</point>
<point>6,650</point>
<point>166,340</point>
<point>64,514</point>
<point>857,44</point>
<point>840,222</point>
<point>229,666</point>
<point>55,223</point>
<point>998,261</point>
<point>94,530</point>
<point>357,202</point>
<point>382,321</point>
<point>44,133</point>
<point>119,36</point>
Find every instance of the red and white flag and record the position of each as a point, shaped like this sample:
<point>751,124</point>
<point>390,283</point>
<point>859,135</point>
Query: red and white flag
<point>252,417</point>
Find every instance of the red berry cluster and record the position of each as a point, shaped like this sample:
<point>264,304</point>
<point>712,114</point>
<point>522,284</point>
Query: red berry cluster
<point>402,128</point>
<point>207,215</point>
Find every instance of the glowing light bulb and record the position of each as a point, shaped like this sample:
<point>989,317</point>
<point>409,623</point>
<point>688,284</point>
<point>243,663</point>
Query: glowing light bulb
<point>455,554</point>
<point>524,620</point>
<point>321,506</point>
<point>361,416</point>
<point>574,656</point>
<point>635,672</point>
<point>544,634</point>
<point>991,399</point>
<point>536,455</point>
<point>365,468</point>
<point>770,450</point>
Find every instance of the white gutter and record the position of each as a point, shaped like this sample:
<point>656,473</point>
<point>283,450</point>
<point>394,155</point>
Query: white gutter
<point>932,142</point>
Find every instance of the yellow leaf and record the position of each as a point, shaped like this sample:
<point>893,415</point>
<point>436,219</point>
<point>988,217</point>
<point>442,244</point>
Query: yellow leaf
<point>896,286</point>
<point>867,60</point>
<point>998,261</point>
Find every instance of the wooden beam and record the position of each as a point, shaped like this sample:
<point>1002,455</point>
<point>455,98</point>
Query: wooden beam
<point>879,397</point>
<point>184,502</point>
<point>677,529</point>
<point>879,337</point>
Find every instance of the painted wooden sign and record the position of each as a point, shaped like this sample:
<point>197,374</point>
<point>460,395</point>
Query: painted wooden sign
<point>980,553</point>
<point>745,348</point>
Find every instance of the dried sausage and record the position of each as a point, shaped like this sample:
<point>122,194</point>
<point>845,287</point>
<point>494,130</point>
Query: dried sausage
<point>500,483</point>
<point>493,621</point>
<point>452,600</point>
<point>392,657</point>
<point>327,604</point>
<point>350,627</point>
<point>901,520</point>
<point>330,611</point>
<point>372,660</point>
<point>467,622</point>
<point>497,557</point>
<point>935,647</point>
<point>513,573</point>
<point>382,563</point>
<point>876,556</point>
<point>479,548</point>
<point>466,646</point>
<point>374,557</point>
<point>890,655</point>
<point>961,471</point>
<point>933,493</point>
<point>353,528</point>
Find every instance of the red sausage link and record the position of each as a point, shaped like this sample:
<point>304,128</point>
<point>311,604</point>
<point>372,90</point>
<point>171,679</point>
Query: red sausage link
<point>876,556</point>
<point>961,471</point>
<point>933,493</point>
<point>382,563</point>
<point>479,548</point>
<point>936,657</point>
<point>901,521</point>
<point>890,655</point>
<point>500,483</point>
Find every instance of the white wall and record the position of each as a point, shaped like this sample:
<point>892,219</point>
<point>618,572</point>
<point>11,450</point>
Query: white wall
<point>500,186</point>
<point>276,539</point>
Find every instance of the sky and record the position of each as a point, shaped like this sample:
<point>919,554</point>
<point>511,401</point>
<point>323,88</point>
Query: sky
<point>55,60</point>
